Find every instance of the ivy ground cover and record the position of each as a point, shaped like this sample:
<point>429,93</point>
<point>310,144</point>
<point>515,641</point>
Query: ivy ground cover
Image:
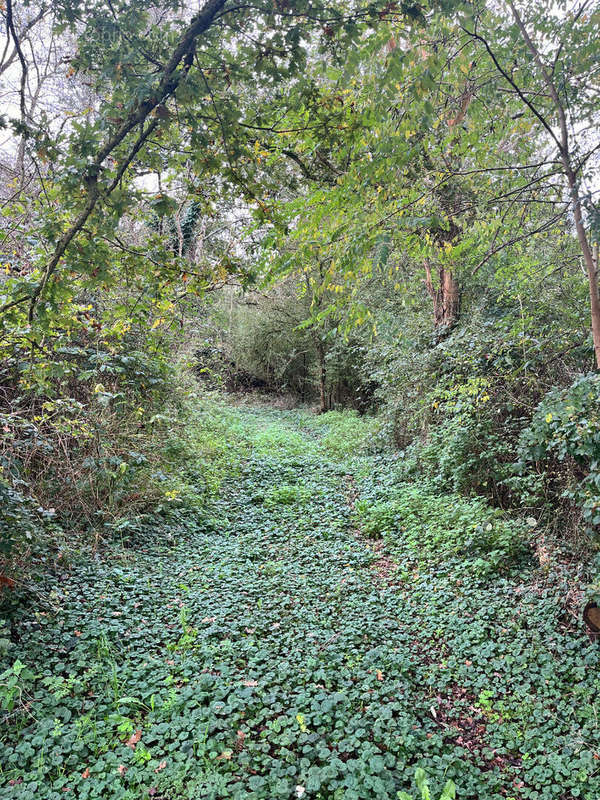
<point>314,634</point>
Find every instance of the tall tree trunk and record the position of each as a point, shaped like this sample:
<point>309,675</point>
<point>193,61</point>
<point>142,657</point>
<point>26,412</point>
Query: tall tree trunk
<point>591,265</point>
<point>570,172</point>
<point>323,404</point>
<point>446,297</point>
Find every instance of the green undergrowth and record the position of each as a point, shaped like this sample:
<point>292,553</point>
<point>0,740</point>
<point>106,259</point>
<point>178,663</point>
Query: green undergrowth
<point>262,646</point>
<point>433,526</point>
<point>125,467</point>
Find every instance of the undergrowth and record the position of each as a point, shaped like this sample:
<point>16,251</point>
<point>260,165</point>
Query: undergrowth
<point>259,646</point>
<point>103,464</point>
<point>431,525</point>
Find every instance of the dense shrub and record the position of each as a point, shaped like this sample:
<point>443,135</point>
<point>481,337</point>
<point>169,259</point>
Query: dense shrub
<point>462,408</point>
<point>72,431</point>
<point>433,525</point>
<point>94,439</point>
<point>562,445</point>
<point>19,522</point>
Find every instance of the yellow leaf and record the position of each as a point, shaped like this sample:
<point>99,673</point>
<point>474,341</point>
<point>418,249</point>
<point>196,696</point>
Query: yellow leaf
<point>300,721</point>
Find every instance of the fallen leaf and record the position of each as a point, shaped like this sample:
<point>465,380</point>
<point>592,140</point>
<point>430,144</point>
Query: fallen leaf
<point>250,683</point>
<point>239,742</point>
<point>134,739</point>
<point>209,619</point>
<point>122,769</point>
<point>225,755</point>
<point>77,633</point>
<point>379,675</point>
<point>162,765</point>
<point>86,773</point>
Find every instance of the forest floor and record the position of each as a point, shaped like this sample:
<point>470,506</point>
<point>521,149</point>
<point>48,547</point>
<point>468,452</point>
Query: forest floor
<point>263,647</point>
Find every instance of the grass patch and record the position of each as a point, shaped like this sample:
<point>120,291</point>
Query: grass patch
<point>346,433</point>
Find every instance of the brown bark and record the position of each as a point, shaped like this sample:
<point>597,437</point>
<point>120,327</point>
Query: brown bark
<point>446,297</point>
<point>323,399</point>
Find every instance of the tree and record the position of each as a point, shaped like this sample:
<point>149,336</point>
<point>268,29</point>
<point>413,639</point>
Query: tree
<point>444,163</point>
<point>548,59</point>
<point>172,88</point>
<point>423,171</point>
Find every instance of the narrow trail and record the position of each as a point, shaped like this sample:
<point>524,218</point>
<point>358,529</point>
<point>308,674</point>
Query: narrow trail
<point>262,651</point>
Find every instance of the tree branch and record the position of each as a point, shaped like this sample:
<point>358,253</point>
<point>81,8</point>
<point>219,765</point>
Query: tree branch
<point>519,91</point>
<point>10,25</point>
<point>168,83</point>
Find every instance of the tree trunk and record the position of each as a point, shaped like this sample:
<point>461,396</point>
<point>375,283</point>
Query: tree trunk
<point>446,297</point>
<point>591,266</point>
<point>571,175</point>
<point>323,404</point>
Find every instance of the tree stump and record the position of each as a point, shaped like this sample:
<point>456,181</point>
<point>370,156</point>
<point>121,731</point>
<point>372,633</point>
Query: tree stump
<point>591,617</point>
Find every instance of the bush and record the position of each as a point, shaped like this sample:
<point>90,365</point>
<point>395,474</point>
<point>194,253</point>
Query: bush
<point>562,442</point>
<point>471,440</point>
<point>432,525</point>
<point>17,521</point>
<point>95,439</point>
<point>463,408</point>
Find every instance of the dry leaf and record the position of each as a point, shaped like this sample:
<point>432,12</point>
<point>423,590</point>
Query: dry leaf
<point>379,675</point>
<point>162,765</point>
<point>225,755</point>
<point>122,769</point>
<point>86,773</point>
<point>134,739</point>
<point>250,683</point>
<point>239,742</point>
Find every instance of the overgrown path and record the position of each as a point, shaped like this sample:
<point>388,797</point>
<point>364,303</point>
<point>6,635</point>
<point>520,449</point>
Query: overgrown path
<point>264,648</point>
